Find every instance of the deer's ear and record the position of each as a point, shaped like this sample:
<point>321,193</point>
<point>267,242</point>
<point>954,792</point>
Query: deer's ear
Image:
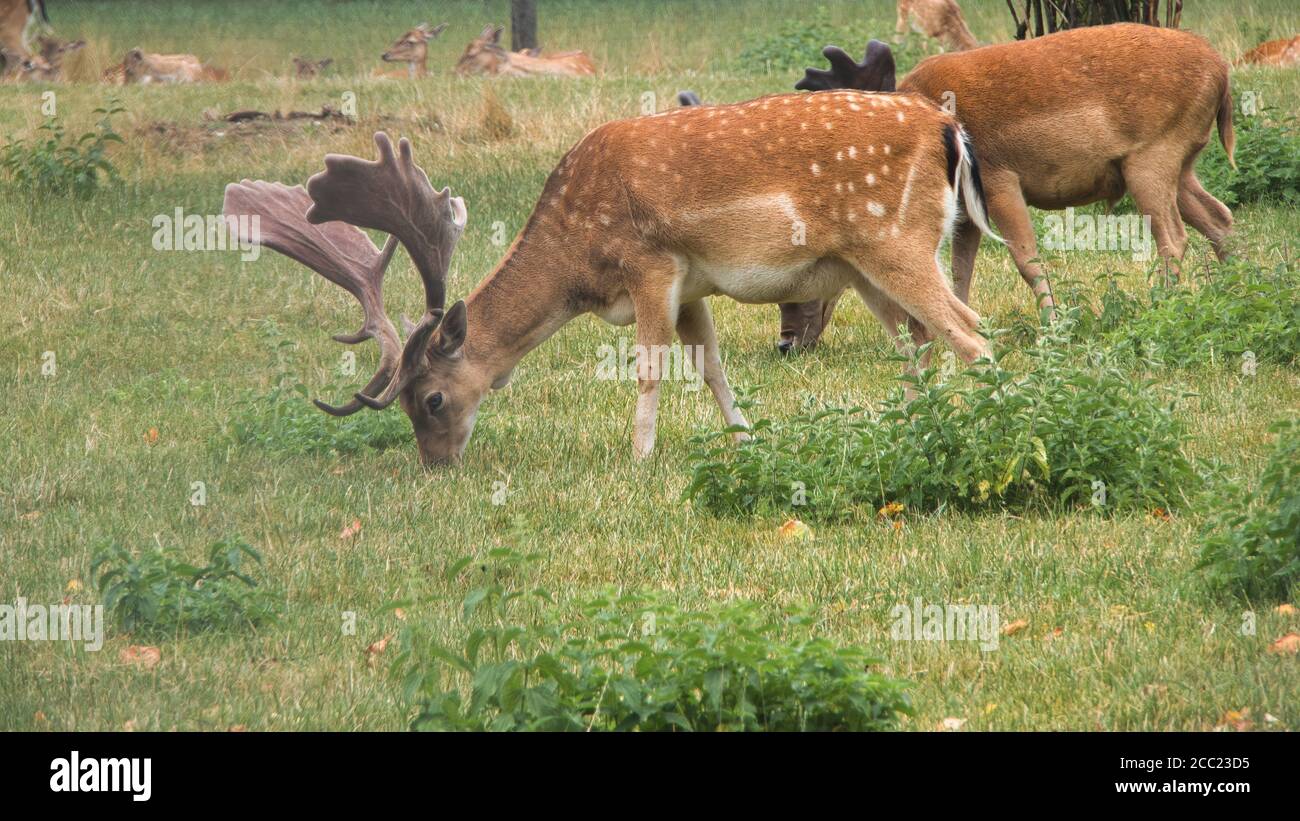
<point>451,332</point>
<point>496,34</point>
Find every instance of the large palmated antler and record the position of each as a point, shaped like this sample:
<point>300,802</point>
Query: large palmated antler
<point>341,253</point>
<point>874,73</point>
<point>393,195</point>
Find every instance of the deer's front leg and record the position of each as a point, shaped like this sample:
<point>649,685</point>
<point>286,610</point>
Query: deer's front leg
<point>655,317</point>
<point>695,327</point>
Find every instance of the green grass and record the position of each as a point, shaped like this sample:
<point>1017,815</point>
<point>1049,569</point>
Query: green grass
<point>178,342</point>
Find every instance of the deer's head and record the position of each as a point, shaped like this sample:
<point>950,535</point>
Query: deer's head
<point>52,51</point>
<point>413,46</point>
<point>306,69</point>
<point>484,54</point>
<point>319,226</point>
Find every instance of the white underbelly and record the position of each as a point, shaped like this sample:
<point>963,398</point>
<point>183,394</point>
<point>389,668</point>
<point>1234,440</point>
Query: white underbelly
<point>799,281</point>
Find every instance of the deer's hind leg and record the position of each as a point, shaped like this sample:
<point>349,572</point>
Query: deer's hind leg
<point>919,292</point>
<point>1202,211</point>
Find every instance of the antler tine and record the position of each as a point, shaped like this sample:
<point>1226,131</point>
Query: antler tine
<point>874,73</point>
<point>393,195</point>
<point>340,253</point>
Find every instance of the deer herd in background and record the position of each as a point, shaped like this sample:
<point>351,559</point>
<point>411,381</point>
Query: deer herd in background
<point>484,55</point>
<point>789,199</point>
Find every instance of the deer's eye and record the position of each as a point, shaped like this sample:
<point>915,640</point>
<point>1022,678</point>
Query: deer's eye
<point>433,401</point>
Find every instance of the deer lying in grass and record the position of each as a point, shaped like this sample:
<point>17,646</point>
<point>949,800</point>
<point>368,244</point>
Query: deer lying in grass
<point>144,68</point>
<point>305,69</point>
<point>940,19</point>
<point>790,197</point>
<point>485,55</point>
<point>1068,119</point>
<point>1281,53</point>
<point>412,48</point>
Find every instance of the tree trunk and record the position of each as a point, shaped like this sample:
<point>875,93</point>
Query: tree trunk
<point>523,24</point>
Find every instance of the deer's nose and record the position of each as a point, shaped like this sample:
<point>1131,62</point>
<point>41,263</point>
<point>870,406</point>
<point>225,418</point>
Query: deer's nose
<point>786,344</point>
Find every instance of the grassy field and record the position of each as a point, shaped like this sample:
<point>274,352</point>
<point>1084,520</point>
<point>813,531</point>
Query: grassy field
<point>1120,636</point>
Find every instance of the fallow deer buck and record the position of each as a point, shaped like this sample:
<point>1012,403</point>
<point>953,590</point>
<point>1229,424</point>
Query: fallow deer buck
<point>789,197</point>
<point>1064,120</point>
<point>939,19</point>
<point>412,48</point>
<point>485,55</point>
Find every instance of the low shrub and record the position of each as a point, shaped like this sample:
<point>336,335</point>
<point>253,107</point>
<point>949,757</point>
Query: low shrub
<point>1071,428</point>
<point>157,591</point>
<point>1268,162</point>
<point>1238,311</point>
<point>638,662</point>
<point>1250,545</point>
<point>56,163</point>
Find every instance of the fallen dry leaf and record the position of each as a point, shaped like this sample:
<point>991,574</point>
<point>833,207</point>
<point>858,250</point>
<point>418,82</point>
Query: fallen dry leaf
<point>30,516</point>
<point>141,656</point>
<point>151,437</point>
<point>1288,645</point>
<point>952,725</point>
<point>129,726</point>
<point>351,530</point>
<point>399,613</point>
<point>1286,610</point>
<point>1161,514</point>
<point>39,717</point>
<point>73,586</point>
<point>238,728</point>
<point>375,650</point>
<point>797,530</point>
<point>1014,627</point>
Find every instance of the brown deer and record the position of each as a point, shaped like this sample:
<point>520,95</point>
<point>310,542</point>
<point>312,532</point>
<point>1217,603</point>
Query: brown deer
<point>939,19</point>
<point>412,48</point>
<point>47,65</point>
<point>143,68</point>
<point>788,197</point>
<point>1281,53</point>
<point>1071,118</point>
<point>17,20</point>
<point>305,69</point>
<point>485,55</point>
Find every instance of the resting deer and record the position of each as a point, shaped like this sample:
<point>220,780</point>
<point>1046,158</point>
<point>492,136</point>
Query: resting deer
<point>412,48</point>
<point>789,197</point>
<point>1281,53</point>
<point>305,69</point>
<point>940,19</point>
<point>1068,119</point>
<point>144,68</point>
<point>485,55</point>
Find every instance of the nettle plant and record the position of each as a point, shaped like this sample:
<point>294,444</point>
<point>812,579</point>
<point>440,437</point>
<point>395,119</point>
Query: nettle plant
<point>55,162</point>
<point>1071,428</point>
<point>1237,311</point>
<point>1250,545</point>
<point>158,592</point>
<point>633,661</point>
